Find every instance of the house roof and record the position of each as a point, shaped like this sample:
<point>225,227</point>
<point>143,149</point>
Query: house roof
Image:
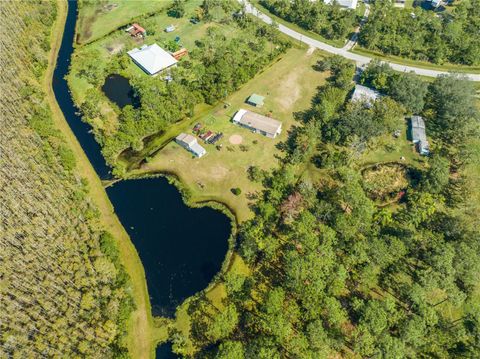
<point>197,149</point>
<point>189,140</point>
<point>257,121</point>
<point>256,99</point>
<point>350,4</point>
<point>418,129</point>
<point>152,58</point>
<point>363,93</point>
<point>138,27</point>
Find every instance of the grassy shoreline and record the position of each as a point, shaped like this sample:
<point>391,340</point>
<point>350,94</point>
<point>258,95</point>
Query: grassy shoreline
<point>141,321</point>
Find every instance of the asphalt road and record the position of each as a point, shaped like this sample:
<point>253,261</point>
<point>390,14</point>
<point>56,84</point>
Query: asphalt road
<point>359,59</point>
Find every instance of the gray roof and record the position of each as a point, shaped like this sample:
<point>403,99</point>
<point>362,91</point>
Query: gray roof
<point>418,129</point>
<point>152,58</point>
<point>258,122</point>
<point>363,93</point>
<point>188,140</point>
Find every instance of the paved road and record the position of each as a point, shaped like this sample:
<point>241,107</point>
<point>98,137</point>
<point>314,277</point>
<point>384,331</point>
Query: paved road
<point>359,59</point>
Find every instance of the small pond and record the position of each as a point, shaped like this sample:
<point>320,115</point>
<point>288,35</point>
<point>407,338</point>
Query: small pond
<point>118,90</point>
<point>164,351</point>
<point>181,248</point>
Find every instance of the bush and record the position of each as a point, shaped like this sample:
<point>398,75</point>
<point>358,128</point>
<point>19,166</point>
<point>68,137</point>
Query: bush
<point>236,191</point>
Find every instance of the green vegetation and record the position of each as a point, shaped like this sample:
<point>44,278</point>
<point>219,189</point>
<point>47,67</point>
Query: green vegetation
<point>330,21</point>
<point>65,290</point>
<point>222,58</point>
<point>425,35</point>
<point>331,272</point>
<point>288,85</point>
<point>98,18</point>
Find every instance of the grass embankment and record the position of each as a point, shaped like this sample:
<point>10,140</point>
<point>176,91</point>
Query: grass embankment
<point>141,329</point>
<point>97,20</point>
<point>288,86</point>
<point>301,30</point>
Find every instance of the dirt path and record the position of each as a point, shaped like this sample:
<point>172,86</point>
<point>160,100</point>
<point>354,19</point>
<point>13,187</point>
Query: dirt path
<point>140,342</point>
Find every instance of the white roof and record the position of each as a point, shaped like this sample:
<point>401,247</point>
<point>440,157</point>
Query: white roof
<point>363,93</point>
<point>350,4</point>
<point>152,58</point>
<point>198,150</point>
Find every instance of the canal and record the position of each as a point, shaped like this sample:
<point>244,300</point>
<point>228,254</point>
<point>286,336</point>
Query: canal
<point>181,248</point>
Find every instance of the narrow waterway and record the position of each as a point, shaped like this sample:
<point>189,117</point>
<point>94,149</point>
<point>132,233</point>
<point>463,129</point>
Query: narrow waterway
<point>181,248</point>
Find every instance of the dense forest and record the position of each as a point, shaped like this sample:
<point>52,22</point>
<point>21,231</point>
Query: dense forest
<point>331,21</point>
<point>218,65</point>
<point>337,271</point>
<point>424,34</point>
<point>63,291</point>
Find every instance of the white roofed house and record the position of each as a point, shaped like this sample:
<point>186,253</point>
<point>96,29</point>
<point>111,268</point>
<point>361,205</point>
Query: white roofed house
<point>152,59</point>
<point>349,4</point>
<point>419,137</point>
<point>190,143</point>
<point>258,123</point>
<point>363,93</point>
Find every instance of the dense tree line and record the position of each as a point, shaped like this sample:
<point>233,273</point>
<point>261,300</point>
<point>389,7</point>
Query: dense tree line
<point>64,292</point>
<point>335,274</point>
<point>424,35</point>
<point>217,67</point>
<point>329,20</point>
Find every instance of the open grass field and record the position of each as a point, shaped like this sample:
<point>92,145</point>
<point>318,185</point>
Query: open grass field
<point>288,86</point>
<point>99,19</point>
<point>141,321</point>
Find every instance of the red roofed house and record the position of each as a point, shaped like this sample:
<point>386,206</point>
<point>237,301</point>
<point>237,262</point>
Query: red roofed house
<point>136,30</point>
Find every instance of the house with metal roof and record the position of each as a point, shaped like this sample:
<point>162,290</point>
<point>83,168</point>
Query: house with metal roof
<point>349,4</point>
<point>258,123</point>
<point>255,100</point>
<point>152,59</point>
<point>419,137</point>
<point>190,143</point>
<point>364,93</point>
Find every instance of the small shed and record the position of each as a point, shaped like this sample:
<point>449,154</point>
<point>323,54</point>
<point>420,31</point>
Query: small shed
<point>170,28</point>
<point>255,100</point>
<point>136,30</point>
<point>190,143</point>
<point>180,53</point>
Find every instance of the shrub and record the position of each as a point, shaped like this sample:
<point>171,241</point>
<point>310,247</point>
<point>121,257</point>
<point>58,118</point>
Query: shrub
<point>236,191</point>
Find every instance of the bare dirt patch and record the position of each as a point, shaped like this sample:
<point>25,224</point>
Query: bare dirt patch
<point>235,139</point>
<point>290,91</point>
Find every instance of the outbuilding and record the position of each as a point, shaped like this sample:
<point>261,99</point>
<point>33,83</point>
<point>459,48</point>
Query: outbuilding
<point>152,59</point>
<point>136,30</point>
<point>255,100</point>
<point>419,137</point>
<point>190,143</point>
<point>258,123</point>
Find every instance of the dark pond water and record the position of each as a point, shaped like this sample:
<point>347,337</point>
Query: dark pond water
<point>117,88</point>
<point>164,351</point>
<point>181,248</point>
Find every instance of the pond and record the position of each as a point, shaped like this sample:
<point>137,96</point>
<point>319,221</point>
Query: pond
<point>118,90</point>
<point>164,351</point>
<point>181,248</point>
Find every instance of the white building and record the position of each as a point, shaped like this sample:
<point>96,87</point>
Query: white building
<point>363,93</point>
<point>258,123</point>
<point>349,4</point>
<point>190,143</point>
<point>152,59</point>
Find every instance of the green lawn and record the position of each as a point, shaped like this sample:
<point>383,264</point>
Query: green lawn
<point>288,86</point>
<point>97,20</point>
